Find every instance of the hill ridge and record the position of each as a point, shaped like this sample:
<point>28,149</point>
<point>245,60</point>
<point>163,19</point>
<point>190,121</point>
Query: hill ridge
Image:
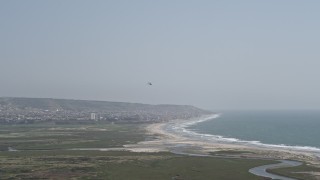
<point>13,109</point>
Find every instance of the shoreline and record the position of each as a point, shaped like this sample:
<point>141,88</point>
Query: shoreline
<point>168,139</point>
<point>221,139</point>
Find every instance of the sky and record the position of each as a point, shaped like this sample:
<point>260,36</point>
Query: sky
<point>213,54</point>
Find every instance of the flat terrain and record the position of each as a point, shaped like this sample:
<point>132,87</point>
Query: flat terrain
<point>43,151</point>
<point>49,137</point>
<point>300,172</point>
<point>120,165</point>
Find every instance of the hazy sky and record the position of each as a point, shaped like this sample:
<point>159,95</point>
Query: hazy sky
<point>211,54</point>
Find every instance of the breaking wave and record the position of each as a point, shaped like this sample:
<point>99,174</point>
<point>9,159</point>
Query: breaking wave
<point>181,128</point>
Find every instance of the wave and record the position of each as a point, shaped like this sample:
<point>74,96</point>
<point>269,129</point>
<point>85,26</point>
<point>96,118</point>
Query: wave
<point>181,128</point>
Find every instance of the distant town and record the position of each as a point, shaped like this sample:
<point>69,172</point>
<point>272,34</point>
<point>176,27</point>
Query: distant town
<point>63,111</point>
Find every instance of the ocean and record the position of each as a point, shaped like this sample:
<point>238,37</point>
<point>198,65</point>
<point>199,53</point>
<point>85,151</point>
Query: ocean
<point>283,129</point>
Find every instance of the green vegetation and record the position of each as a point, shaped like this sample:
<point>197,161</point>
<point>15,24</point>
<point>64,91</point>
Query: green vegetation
<point>48,137</point>
<point>120,165</point>
<point>300,172</point>
<point>44,152</point>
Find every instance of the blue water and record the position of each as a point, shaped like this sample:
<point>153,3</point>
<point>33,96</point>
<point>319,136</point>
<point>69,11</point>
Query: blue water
<point>292,128</point>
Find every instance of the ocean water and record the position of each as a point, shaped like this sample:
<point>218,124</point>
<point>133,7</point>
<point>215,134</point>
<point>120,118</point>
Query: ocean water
<point>298,129</point>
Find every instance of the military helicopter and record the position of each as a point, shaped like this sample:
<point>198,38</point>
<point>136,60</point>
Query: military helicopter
<point>149,83</point>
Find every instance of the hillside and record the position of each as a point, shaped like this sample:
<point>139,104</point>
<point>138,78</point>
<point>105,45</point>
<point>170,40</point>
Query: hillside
<point>47,109</point>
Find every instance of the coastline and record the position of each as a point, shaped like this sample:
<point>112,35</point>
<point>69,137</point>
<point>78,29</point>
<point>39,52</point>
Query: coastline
<point>173,138</point>
<point>184,131</point>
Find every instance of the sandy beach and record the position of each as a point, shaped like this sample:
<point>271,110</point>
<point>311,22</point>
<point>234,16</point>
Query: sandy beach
<point>167,140</point>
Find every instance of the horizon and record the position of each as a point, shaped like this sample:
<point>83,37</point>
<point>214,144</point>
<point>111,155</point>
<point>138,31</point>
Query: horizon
<point>215,111</point>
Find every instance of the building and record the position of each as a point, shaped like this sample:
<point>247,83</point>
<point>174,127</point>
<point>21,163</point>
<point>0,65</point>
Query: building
<point>93,116</point>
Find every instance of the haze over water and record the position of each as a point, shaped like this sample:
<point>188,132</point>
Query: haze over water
<point>292,128</point>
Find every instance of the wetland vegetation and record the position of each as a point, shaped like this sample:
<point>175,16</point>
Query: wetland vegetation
<point>43,151</point>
